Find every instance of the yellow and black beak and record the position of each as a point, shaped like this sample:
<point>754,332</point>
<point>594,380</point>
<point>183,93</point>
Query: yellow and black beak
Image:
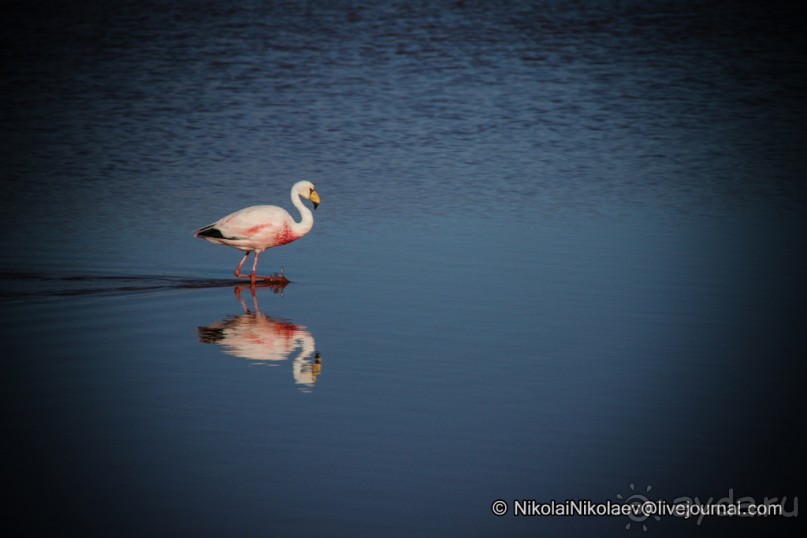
<point>314,197</point>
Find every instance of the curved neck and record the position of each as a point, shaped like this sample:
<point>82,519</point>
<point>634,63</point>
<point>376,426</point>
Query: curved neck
<point>307,221</point>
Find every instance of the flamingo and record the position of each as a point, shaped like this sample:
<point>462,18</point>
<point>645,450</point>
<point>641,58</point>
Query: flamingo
<point>255,336</point>
<point>260,227</point>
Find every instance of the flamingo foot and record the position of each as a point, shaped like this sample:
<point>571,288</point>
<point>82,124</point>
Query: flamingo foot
<point>277,278</point>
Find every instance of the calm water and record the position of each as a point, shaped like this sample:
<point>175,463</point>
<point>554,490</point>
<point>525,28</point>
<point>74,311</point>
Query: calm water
<point>560,255</point>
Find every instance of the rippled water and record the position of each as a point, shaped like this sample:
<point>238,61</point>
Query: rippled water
<point>560,252</point>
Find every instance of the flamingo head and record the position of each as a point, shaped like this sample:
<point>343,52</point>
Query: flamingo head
<point>306,190</point>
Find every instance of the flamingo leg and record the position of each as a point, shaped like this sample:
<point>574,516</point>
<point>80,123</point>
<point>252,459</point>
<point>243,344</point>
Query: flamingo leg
<point>240,265</point>
<point>269,278</point>
<point>237,291</point>
<point>252,275</point>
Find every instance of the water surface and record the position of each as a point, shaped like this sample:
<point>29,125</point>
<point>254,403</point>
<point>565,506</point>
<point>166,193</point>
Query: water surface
<point>560,251</point>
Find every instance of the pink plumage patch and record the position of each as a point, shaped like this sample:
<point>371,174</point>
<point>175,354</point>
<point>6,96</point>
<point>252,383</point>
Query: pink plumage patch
<point>285,235</point>
<point>255,229</point>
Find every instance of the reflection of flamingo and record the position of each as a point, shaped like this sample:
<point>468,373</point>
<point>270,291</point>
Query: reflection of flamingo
<point>258,337</point>
<point>260,227</point>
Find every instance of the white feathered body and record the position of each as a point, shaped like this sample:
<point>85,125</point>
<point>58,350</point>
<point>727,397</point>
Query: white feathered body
<point>253,228</point>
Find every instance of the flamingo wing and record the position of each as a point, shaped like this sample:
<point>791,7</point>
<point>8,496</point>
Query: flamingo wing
<point>252,228</point>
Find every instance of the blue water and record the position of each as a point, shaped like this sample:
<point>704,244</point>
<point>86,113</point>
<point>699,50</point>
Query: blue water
<point>559,255</point>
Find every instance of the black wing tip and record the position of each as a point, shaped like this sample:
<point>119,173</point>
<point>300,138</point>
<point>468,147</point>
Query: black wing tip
<point>210,335</point>
<point>209,232</point>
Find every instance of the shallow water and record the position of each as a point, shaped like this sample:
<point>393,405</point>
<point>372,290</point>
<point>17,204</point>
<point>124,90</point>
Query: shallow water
<point>559,253</point>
